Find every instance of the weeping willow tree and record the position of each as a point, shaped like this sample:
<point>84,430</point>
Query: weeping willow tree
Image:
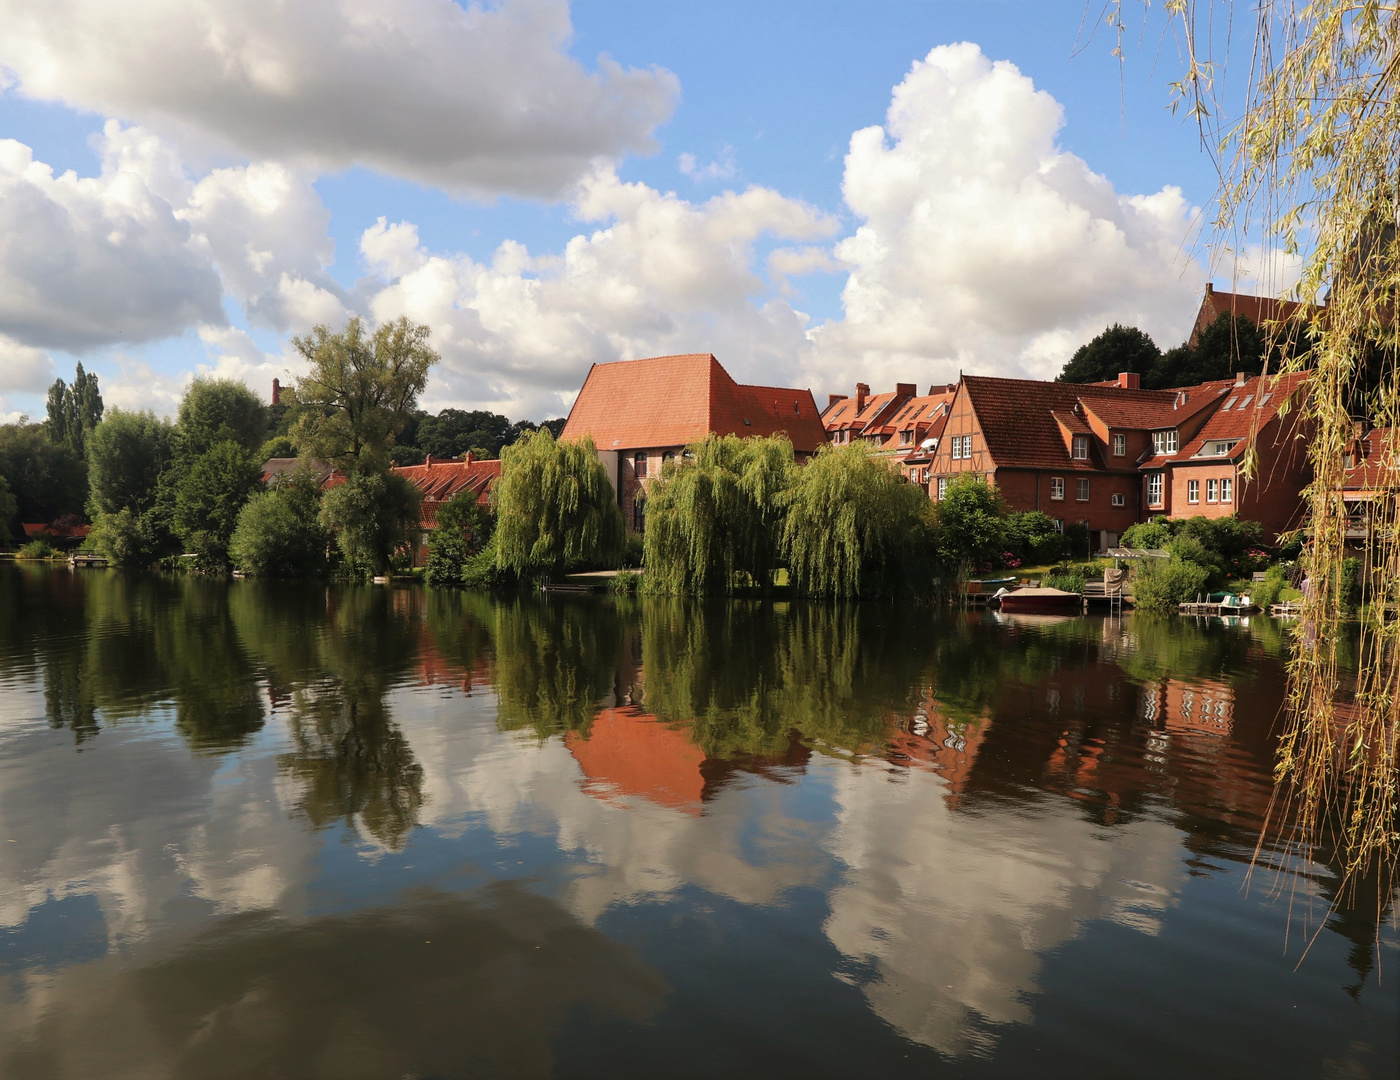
<point>856,528</point>
<point>713,517</point>
<point>1310,170</point>
<point>555,507</point>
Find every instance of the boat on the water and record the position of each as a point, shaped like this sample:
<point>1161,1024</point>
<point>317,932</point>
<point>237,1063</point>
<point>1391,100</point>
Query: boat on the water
<point>1033,600</point>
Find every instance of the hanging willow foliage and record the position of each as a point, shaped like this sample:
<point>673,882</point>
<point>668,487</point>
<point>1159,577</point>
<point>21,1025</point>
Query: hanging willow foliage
<point>555,507</point>
<point>855,527</point>
<point>1309,171</point>
<point>713,516</point>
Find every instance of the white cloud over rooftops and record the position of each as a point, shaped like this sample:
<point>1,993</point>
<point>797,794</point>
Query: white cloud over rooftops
<point>483,100</point>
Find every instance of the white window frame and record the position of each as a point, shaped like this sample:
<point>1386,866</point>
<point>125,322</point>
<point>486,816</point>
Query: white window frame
<point>1120,445</point>
<point>1166,442</point>
<point>1212,491</point>
<point>942,488</point>
<point>1193,491</point>
<point>1059,525</point>
<point>1154,489</point>
<point>1079,447</point>
<point>1119,499</point>
<point>1081,489</point>
<point>1057,488</point>
<point>1227,490</point>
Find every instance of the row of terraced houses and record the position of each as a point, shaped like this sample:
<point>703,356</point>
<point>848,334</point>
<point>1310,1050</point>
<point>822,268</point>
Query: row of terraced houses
<point>1104,455</point>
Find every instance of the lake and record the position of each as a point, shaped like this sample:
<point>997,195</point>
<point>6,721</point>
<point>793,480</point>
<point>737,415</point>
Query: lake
<point>291,830</point>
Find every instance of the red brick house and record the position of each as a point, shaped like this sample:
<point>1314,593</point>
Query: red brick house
<point>643,413</point>
<point>1069,450</point>
<point>1372,481</point>
<point>1200,472</point>
<point>1258,309</point>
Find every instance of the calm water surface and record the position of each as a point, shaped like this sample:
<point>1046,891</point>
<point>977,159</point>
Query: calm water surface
<point>280,830</point>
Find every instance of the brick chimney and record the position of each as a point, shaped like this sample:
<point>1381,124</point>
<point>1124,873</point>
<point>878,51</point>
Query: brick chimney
<point>1241,377</point>
<point>276,391</point>
<point>468,457</point>
<point>832,399</point>
<point>862,392</point>
<point>428,460</point>
<point>1210,288</point>
<point>1129,380</point>
<point>906,389</point>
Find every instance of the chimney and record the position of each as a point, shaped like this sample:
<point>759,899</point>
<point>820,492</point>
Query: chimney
<point>832,399</point>
<point>952,388</point>
<point>1210,288</point>
<point>429,460</point>
<point>906,389</point>
<point>862,392</point>
<point>276,391</point>
<point>1241,377</point>
<point>1129,380</point>
<point>468,457</point>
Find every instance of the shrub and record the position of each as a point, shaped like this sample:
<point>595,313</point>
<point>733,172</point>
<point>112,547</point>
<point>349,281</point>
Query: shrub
<point>1154,535</point>
<point>462,528</point>
<point>1267,593</point>
<point>1068,582</point>
<point>971,524</point>
<point>482,570</point>
<point>126,538</point>
<point>279,533</point>
<point>36,549</point>
<point>1187,548</point>
<point>1162,588</point>
<point>372,516</point>
<point>633,548</point>
<point>625,583</point>
<point>1350,586</point>
<point>1077,540</point>
<point>1031,537</point>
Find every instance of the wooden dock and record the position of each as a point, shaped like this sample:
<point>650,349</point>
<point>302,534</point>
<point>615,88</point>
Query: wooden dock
<point>87,559</point>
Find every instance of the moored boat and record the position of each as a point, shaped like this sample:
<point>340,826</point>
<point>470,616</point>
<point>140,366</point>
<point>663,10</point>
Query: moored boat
<point>1040,600</point>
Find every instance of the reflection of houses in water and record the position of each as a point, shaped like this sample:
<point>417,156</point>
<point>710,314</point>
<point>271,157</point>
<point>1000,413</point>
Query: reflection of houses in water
<point>1204,705</point>
<point>933,740</point>
<point>436,670</point>
<point>628,752</point>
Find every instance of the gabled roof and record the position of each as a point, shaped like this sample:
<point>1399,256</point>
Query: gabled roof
<point>844,415</point>
<point>926,415</point>
<point>438,481</point>
<point>1168,409</point>
<point>1258,309</point>
<point>1018,417</point>
<point>1247,408</point>
<point>1378,466</point>
<point>675,400</point>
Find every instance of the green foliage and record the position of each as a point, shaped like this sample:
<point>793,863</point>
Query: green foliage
<point>37,549</point>
<point>279,532</point>
<point>209,497</point>
<point>361,391</point>
<point>463,527</point>
<point>127,453</point>
<point>856,527</point>
<point>713,517</point>
<point>483,570</point>
<point>1350,584</point>
<point>1230,344</point>
<point>971,524</point>
<point>1154,535</point>
<point>127,538</point>
<point>1077,541</point>
<point>215,411</point>
<point>633,550</point>
<point>279,446</point>
<point>1117,349</point>
<point>1069,582</point>
<point>371,515</point>
<point>1032,537</point>
<point>73,411</point>
<point>555,508</point>
<point>48,480</point>
<point>9,510</point>
<point>626,583</point>
<point>1190,550</point>
<point>1163,587</point>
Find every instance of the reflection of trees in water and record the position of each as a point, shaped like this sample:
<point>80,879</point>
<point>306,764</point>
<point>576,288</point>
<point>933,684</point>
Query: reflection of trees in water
<point>438,985</point>
<point>333,656</point>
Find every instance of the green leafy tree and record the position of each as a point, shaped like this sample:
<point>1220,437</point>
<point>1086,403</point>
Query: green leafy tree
<point>555,507</point>
<point>279,532</point>
<point>1117,349</point>
<point>47,479</point>
<point>461,530</point>
<point>1162,588</point>
<point>129,454</point>
<point>209,498</point>
<point>9,510</point>
<point>716,515</point>
<point>1032,537</point>
<point>279,446</point>
<point>971,526</point>
<point>1230,344</point>
<point>856,527</point>
<point>372,516</point>
<point>1154,535</point>
<point>361,391</point>
<point>73,411</point>
<point>214,411</point>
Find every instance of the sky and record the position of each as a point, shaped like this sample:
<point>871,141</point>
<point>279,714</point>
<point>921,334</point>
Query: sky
<point>817,193</point>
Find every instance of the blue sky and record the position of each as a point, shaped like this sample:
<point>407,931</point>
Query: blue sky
<point>937,248</point>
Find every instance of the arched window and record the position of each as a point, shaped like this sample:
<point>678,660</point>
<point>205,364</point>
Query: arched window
<point>667,455</point>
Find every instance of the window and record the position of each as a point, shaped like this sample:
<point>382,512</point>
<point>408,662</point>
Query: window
<point>1212,491</point>
<point>1081,489</point>
<point>923,476</point>
<point>942,487</point>
<point>1081,447</point>
<point>639,466</point>
<point>1264,400</point>
<point>1165,442</point>
<point>962,446</point>
<point>639,515</point>
<point>906,438</point>
<point>1059,525</point>
<point>1057,487</point>
<point>1118,499</point>
<point>1120,445</point>
<point>1229,404</point>
<point>1193,491</point>
<point>1247,399</point>
<point>1227,490</point>
<point>1154,489</point>
<point>668,455</point>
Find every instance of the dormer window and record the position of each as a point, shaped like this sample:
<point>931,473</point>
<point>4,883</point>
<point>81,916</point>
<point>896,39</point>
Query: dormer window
<point>906,438</point>
<point>1080,451</point>
<point>1247,399</point>
<point>1229,404</point>
<point>1165,442</point>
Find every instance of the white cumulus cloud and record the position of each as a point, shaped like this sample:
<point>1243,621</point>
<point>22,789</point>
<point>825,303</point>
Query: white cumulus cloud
<point>984,245</point>
<point>482,99</point>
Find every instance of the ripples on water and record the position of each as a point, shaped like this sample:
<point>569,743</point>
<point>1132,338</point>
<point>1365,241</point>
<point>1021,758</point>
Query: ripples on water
<point>280,829</point>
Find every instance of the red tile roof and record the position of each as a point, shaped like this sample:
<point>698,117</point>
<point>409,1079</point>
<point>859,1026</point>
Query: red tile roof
<point>1258,309</point>
<point>1018,417</point>
<point>1379,464</point>
<point>1131,412</point>
<point>438,481</point>
<point>925,415</point>
<point>1245,410</point>
<point>675,400</point>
